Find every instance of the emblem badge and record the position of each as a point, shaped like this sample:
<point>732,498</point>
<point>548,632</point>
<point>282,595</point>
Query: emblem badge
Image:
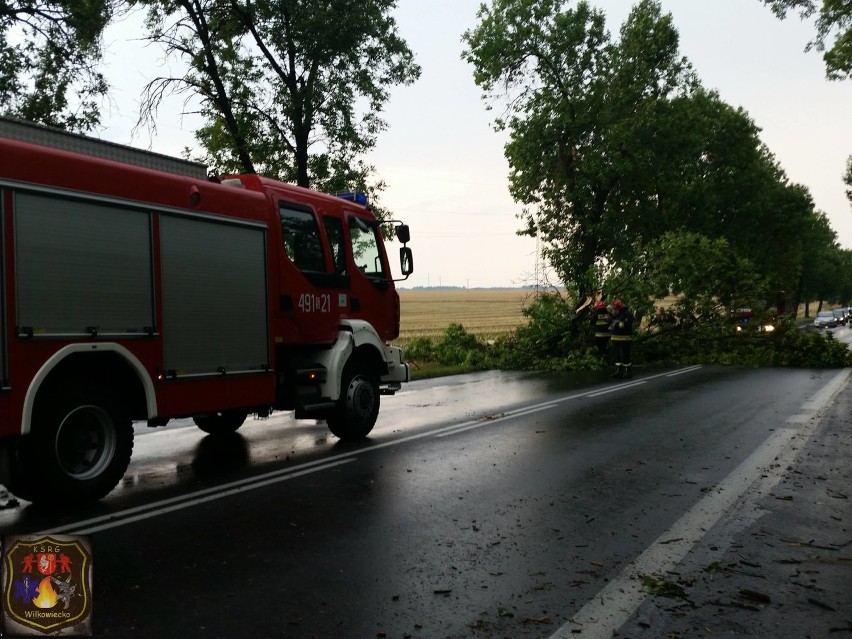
<point>47,585</point>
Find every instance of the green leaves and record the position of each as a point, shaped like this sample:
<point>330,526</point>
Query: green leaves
<point>49,53</point>
<point>660,587</point>
<point>291,89</point>
<point>616,150</point>
<point>833,18</point>
<point>581,117</point>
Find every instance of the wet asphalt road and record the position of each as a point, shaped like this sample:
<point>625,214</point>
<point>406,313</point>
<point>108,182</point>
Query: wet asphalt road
<point>488,505</point>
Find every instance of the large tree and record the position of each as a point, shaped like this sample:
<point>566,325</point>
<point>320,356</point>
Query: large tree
<point>833,19</point>
<point>580,114</point>
<point>614,144</point>
<point>290,88</point>
<point>49,56</point>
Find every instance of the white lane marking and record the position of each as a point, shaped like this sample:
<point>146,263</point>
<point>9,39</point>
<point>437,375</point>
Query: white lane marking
<point>553,403</point>
<point>487,421</point>
<point>615,389</point>
<point>684,370</point>
<point>608,610</point>
<point>203,499</point>
<point>827,392</point>
<point>282,474</point>
<point>168,505</point>
<point>688,369</point>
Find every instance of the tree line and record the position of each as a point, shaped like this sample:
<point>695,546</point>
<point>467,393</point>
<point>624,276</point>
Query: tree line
<point>293,89</point>
<point>634,176</point>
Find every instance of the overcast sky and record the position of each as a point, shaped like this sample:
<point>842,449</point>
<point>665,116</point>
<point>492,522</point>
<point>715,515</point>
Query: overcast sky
<point>444,164</point>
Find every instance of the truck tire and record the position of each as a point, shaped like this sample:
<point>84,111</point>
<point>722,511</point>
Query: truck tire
<point>77,451</point>
<point>358,407</point>
<point>222,423</point>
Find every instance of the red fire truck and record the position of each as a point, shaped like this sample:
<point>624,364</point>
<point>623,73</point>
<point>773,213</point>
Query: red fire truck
<point>136,288</point>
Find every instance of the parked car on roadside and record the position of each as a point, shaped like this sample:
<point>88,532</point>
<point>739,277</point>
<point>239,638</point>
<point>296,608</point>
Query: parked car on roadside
<point>825,319</point>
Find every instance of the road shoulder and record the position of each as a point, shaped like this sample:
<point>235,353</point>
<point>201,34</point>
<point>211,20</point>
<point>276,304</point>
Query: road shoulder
<point>786,574</point>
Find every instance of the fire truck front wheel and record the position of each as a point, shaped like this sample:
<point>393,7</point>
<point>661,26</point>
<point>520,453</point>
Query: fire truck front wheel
<point>78,450</point>
<point>358,407</point>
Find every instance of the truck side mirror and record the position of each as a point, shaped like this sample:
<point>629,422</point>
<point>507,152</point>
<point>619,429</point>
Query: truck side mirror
<point>406,260</point>
<point>403,234</point>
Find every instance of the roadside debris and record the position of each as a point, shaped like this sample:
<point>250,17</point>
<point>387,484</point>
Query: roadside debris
<point>660,587</point>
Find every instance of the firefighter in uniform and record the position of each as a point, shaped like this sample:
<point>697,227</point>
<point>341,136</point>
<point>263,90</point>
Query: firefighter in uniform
<point>601,321</point>
<point>621,330</point>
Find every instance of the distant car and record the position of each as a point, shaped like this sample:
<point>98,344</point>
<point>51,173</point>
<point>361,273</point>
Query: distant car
<point>841,315</point>
<point>825,319</point>
<point>745,319</point>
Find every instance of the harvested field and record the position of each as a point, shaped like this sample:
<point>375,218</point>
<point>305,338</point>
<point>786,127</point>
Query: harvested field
<point>486,313</point>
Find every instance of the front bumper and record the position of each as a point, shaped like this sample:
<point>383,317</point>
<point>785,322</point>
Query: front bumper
<point>398,373</point>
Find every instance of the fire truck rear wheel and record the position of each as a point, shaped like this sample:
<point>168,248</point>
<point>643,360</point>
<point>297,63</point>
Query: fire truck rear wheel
<point>358,406</point>
<point>222,423</point>
<point>78,450</point>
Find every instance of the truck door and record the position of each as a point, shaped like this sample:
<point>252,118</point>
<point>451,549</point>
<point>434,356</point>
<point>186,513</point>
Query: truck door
<point>373,296</point>
<point>310,285</point>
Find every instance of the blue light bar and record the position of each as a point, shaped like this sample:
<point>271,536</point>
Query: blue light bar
<point>358,198</point>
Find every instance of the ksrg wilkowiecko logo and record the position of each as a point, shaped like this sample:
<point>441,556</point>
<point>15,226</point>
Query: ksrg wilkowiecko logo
<point>47,585</point>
